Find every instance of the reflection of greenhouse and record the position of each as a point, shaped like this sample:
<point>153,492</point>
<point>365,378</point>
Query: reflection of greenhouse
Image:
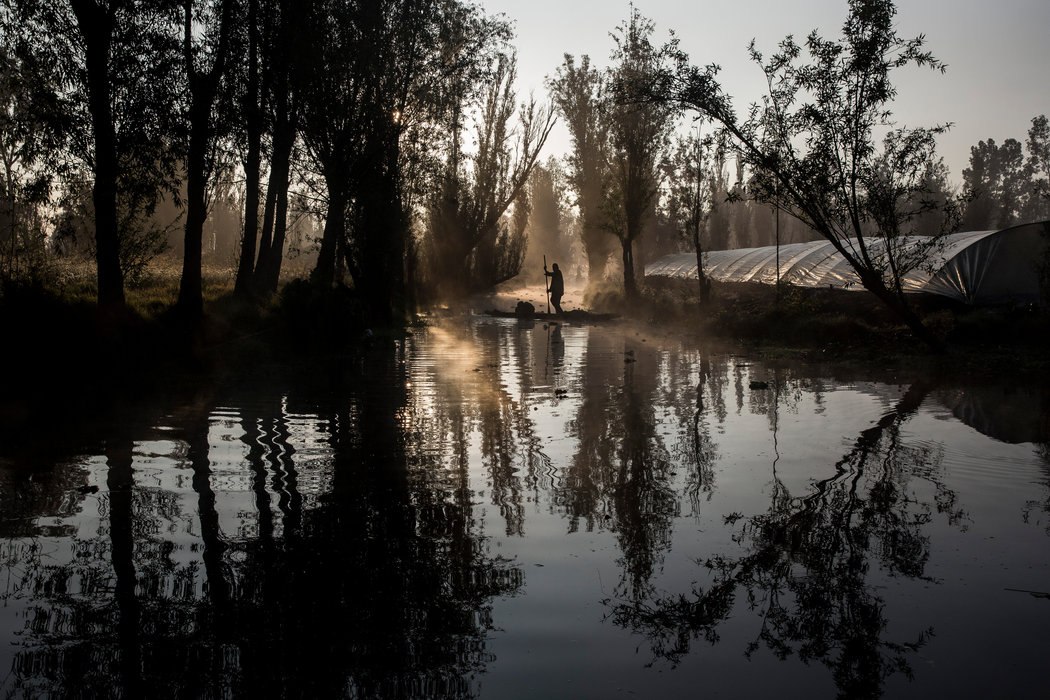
<point>974,267</point>
<point>371,533</point>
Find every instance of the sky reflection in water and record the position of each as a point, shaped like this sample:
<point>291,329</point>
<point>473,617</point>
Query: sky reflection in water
<point>503,509</point>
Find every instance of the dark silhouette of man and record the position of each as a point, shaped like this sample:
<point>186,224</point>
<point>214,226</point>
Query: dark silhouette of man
<point>557,288</point>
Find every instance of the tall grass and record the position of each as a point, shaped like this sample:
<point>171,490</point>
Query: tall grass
<point>73,280</point>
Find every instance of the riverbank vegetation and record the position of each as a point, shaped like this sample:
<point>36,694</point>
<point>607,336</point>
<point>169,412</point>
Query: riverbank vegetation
<point>57,330</point>
<point>180,179</point>
<point>59,338</point>
<point>854,326</point>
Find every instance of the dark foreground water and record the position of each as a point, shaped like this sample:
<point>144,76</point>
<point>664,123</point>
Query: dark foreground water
<point>506,510</point>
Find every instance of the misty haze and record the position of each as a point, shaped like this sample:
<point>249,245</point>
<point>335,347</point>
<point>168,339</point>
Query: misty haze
<point>411,349</point>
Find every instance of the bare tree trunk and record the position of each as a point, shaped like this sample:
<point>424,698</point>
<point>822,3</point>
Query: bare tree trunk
<point>203,88</point>
<point>285,127</point>
<point>253,123</point>
<point>334,231</point>
<point>268,270</point>
<point>191,297</point>
<point>96,28</point>
<point>701,278</point>
<point>266,234</point>
<point>695,221</point>
<point>902,310</point>
<point>272,270</point>
<point>630,284</point>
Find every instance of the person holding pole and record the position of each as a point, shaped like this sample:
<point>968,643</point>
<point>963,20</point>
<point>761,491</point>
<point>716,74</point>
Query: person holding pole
<point>557,285</point>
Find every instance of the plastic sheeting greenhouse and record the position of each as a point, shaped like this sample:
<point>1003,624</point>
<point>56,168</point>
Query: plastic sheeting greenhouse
<point>977,267</point>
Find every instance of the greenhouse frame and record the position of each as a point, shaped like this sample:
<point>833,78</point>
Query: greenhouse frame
<point>975,267</point>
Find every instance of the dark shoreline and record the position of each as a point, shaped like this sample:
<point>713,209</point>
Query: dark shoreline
<point>57,347</point>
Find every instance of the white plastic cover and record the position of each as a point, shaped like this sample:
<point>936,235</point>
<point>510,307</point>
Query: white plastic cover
<point>973,267</point>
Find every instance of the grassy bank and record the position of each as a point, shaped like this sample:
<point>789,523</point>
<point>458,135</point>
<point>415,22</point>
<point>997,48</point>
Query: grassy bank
<point>56,338</point>
<point>855,326</point>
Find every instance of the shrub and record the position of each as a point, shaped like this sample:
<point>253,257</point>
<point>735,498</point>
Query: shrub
<point>309,314</point>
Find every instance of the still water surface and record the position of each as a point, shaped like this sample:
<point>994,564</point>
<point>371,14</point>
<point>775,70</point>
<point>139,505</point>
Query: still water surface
<point>498,509</point>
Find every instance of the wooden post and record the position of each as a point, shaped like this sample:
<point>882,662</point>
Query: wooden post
<point>547,283</point>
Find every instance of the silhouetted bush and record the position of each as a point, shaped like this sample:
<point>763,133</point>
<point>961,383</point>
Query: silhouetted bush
<point>311,315</point>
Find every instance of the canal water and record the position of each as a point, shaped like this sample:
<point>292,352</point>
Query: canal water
<point>496,508</point>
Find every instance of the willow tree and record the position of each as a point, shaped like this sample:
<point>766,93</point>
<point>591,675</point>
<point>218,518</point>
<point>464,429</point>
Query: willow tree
<point>812,142</point>
<point>96,23</point>
<point>380,76</point>
<point>282,44</point>
<point>473,241</point>
<point>331,123</point>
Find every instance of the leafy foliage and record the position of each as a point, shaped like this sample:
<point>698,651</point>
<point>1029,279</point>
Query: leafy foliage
<point>812,144</point>
<point>639,139</point>
<point>579,94</point>
<point>102,85</point>
<point>1007,185</point>
<point>469,227</point>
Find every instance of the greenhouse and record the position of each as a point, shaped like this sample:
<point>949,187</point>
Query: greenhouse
<point>975,267</point>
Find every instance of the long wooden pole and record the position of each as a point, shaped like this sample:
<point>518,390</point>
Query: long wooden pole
<point>547,283</point>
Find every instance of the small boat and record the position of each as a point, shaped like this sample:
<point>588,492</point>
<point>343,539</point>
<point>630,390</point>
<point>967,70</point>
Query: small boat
<point>572,315</point>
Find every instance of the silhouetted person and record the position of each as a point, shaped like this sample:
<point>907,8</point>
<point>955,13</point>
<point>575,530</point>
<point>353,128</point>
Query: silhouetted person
<point>557,288</point>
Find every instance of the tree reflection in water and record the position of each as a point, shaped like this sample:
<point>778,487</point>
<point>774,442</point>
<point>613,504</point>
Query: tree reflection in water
<point>620,477</point>
<point>805,573</point>
<point>329,536</point>
<point>379,588</point>
<point>696,448</point>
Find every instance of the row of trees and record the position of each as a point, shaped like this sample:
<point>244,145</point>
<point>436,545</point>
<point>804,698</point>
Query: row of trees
<point>1004,185</point>
<point>397,125</point>
<point>707,193</point>
<point>821,147</point>
<point>395,122</point>
<point>618,147</point>
<point>808,150</point>
<point>1008,184</point>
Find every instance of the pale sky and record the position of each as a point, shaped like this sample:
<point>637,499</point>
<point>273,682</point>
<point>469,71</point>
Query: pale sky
<point>998,54</point>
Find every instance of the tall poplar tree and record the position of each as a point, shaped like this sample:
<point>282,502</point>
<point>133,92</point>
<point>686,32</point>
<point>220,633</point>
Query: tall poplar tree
<point>639,140</point>
<point>579,93</point>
